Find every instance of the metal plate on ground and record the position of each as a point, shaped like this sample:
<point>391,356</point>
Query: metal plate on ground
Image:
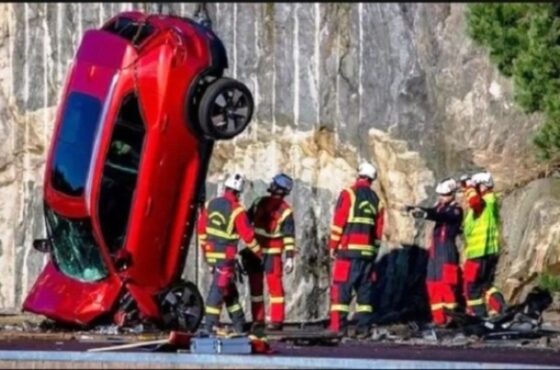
<point>213,345</point>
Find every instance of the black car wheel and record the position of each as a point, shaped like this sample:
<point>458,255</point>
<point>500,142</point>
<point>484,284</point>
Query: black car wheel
<point>182,307</point>
<point>225,108</point>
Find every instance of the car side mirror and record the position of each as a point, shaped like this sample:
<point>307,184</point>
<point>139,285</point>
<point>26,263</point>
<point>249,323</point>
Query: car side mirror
<point>42,245</point>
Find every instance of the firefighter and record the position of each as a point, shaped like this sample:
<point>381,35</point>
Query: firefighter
<point>355,233</point>
<point>443,262</point>
<point>222,223</point>
<point>466,189</point>
<point>482,246</point>
<point>273,220</point>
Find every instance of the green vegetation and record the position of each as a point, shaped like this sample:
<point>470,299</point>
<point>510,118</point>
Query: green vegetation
<point>549,282</point>
<point>524,43</point>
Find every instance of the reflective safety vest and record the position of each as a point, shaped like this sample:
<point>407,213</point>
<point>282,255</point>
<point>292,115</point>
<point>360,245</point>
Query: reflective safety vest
<point>358,235</point>
<point>272,237</point>
<point>482,236</point>
<point>222,237</point>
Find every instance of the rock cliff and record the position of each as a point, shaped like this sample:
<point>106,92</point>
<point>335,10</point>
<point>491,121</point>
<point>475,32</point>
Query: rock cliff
<point>400,85</point>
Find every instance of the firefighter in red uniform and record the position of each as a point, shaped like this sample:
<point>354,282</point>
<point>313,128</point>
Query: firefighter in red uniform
<point>443,262</point>
<point>222,223</point>
<point>355,233</point>
<point>273,220</point>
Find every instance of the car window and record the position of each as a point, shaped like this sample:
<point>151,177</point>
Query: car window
<point>74,144</point>
<point>120,172</point>
<point>135,32</point>
<point>74,250</point>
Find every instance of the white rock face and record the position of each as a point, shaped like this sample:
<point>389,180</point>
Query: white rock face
<point>400,85</point>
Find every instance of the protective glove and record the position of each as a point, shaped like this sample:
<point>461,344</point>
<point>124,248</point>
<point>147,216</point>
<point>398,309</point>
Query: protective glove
<point>289,265</point>
<point>418,212</point>
<point>211,269</point>
<point>408,208</point>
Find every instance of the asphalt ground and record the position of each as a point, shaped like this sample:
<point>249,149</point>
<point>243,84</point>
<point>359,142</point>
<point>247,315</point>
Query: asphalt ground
<point>351,349</point>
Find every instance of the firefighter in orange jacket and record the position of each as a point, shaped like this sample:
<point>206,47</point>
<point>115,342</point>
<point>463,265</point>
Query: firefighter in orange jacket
<point>442,278</point>
<point>273,220</point>
<point>222,223</point>
<point>355,233</point>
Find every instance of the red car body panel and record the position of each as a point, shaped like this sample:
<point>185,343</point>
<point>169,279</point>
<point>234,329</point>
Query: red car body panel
<point>60,297</point>
<point>160,71</point>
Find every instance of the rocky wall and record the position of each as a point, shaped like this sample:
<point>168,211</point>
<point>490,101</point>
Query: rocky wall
<point>400,85</point>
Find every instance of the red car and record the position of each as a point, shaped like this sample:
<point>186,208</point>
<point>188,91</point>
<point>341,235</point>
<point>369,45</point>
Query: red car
<point>144,102</point>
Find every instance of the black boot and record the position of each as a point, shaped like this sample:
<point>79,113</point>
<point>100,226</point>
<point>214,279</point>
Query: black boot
<point>362,333</point>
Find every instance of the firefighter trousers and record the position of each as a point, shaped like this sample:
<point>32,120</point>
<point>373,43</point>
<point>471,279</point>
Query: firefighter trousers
<point>272,272</point>
<point>482,297</point>
<point>442,284</point>
<point>223,290</point>
<point>349,275</point>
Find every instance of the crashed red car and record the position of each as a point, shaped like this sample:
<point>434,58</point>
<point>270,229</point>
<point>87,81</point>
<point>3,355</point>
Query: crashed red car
<point>143,103</point>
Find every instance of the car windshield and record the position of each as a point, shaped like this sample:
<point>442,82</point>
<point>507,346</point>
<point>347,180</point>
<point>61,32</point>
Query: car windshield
<point>74,249</point>
<point>75,143</point>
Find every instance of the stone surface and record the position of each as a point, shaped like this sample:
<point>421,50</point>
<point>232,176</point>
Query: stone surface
<point>400,85</point>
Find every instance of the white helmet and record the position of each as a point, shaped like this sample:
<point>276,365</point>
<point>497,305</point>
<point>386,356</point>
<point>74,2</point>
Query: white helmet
<point>446,187</point>
<point>367,170</point>
<point>235,181</point>
<point>483,178</point>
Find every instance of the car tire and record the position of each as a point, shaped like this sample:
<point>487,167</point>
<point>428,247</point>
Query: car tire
<point>182,307</point>
<point>225,109</point>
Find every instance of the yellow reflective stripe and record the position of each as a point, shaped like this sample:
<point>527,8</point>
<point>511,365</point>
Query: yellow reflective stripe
<point>491,291</point>
<point>336,229</point>
<point>364,308</point>
<point>340,307</point>
<point>362,247</point>
<point>234,308</point>
<point>475,302</point>
<point>211,260</point>
<point>276,299</point>
<point>362,220</point>
<point>358,220</point>
<point>262,232</point>
<point>369,208</point>
<point>234,214</point>
<point>335,237</point>
<point>364,253</point>
<point>219,216</point>
<point>272,250</point>
<point>254,337</point>
<point>212,310</point>
<point>256,298</point>
<point>221,234</point>
<point>289,240</point>
<point>216,255</point>
<point>439,306</point>
<point>254,246</point>
<point>285,215</point>
<point>202,236</point>
<point>289,247</point>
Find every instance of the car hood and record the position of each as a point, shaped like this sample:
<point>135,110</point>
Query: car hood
<point>64,299</point>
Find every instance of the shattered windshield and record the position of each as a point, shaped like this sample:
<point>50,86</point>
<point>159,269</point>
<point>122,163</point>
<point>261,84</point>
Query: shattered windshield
<point>75,251</point>
<point>75,143</point>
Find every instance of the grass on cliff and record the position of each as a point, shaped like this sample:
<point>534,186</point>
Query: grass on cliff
<point>523,40</point>
<point>549,282</point>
